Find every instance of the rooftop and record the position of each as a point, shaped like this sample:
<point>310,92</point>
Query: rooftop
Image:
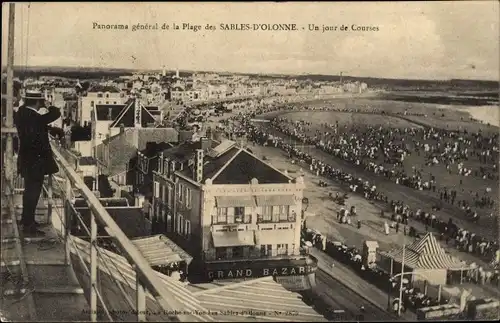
<point>227,165</point>
<point>127,116</point>
<point>108,112</point>
<point>130,220</point>
<point>104,88</point>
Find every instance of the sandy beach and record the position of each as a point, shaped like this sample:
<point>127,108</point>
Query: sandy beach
<point>486,114</point>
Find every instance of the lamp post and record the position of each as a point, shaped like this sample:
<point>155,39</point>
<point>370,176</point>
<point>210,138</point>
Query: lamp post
<point>401,274</point>
<point>401,281</point>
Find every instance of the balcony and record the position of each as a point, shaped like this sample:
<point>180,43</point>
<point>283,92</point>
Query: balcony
<point>62,277</point>
<point>277,218</point>
<point>232,221</point>
<point>253,253</point>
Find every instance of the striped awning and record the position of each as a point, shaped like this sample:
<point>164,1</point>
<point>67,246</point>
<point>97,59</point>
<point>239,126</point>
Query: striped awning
<point>274,237</point>
<point>235,201</point>
<point>270,200</point>
<point>233,238</point>
<point>426,253</point>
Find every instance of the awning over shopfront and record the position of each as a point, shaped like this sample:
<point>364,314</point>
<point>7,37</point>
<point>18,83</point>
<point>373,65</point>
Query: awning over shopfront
<point>270,200</point>
<point>159,250</point>
<point>233,238</point>
<point>274,237</point>
<point>235,201</point>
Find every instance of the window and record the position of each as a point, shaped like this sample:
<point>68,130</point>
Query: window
<point>238,252</point>
<point>170,193</point>
<point>187,229</point>
<point>265,250</point>
<point>107,95</point>
<point>107,102</point>
<point>164,193</point>
<point>114,102</point>
<point>283,212</point>
<point>222,215</point>
<point>188,198</point>
<point>181,193</point>
<point>160,164</point>
<point>230,215</point>
<point>239,214</point>
<point>165,167</point>
<point>92,103</point>
<point>220,253</point>
<point>282,249</point>
<point>157,189</point>
<point>267,212</point>
<point>180,223</point>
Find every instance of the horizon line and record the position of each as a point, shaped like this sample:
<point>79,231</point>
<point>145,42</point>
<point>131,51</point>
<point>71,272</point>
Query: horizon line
<point>248,73</point>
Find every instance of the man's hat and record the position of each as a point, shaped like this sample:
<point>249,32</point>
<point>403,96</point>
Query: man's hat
<point>33,95</point>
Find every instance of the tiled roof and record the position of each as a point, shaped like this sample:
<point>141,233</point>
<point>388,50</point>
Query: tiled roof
<point>156,149</point>
<point>245,166</point>
<point>158,135</point>
<point>129,219</point>
<point>180,153</point>
<point>86,161</point>
<point>122,147</point>
<point>214,165</point>
<point>104,88</point>
<point>120,153</point>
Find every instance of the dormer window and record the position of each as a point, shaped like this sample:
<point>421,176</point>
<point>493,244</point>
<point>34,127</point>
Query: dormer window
<point>99,95</point>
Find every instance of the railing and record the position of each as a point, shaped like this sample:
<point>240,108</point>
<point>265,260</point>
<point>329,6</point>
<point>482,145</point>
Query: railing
<point>276,218</point>
<point>237,219</point>
<point>247,219</point>
<point>60,190</point>
<point>253,253</point>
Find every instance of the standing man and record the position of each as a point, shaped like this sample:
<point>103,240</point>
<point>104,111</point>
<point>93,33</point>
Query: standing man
<point>35,159</point>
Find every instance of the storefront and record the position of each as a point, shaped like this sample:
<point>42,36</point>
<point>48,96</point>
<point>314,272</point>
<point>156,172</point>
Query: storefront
<point>261,268</point>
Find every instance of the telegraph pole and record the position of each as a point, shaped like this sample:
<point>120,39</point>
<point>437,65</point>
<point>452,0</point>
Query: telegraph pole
<point>9,113</point>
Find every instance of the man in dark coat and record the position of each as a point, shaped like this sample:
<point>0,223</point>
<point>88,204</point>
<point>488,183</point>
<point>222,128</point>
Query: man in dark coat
<point>35,159</point>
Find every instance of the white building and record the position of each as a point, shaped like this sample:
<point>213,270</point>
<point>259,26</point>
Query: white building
<point>107,95</point>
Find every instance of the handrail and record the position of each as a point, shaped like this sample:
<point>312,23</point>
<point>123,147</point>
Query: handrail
<point>131,253</point>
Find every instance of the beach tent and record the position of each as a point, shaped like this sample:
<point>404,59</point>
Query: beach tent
<point>425,258</point>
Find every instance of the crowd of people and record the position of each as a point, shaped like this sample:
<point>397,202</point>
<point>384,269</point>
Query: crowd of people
<point>362,147</point>
<point>383,150</point>
<point>413,298</point>
<point>401,213</point>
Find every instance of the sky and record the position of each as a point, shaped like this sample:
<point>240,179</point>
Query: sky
<point>418,40</point>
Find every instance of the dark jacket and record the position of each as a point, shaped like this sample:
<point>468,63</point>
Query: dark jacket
<point>35,156</point>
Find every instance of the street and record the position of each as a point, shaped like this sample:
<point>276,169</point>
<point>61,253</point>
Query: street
<point>338,297</point>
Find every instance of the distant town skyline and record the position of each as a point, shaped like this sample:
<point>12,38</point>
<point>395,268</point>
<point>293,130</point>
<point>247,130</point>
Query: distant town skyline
<point>444,40</point>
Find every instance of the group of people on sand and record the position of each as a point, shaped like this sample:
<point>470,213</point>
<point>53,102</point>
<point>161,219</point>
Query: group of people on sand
<point>383,151</point>
<point>463,240</point>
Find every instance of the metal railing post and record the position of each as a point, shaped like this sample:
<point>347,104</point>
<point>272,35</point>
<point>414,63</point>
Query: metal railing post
<point>66,229</point>
<point>140,300</point>
<point>93,268</point>
<point>49,200</point>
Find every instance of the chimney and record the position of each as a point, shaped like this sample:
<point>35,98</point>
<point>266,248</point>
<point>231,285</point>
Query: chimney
<point>198,166</point>
<point>204,144</point>
<point>172,168</point>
